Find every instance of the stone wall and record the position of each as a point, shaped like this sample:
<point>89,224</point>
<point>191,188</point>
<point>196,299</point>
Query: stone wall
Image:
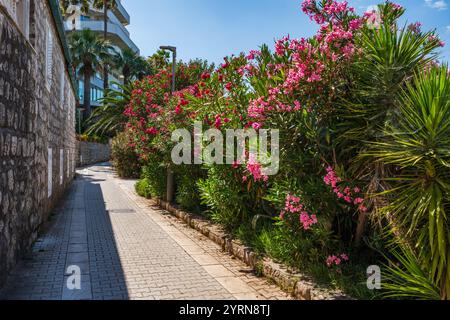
<point>37,130</point>
<point>92,153</point>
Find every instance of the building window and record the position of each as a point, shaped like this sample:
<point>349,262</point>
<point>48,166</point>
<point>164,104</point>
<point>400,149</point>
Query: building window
<point>23,16</point>
<point>19,10</point>
<point>49,57</point>
<point>50,172</point>
<point>62,86</point>
<point>61,167</point>
<point>32,27</point>
<point>68,164</point>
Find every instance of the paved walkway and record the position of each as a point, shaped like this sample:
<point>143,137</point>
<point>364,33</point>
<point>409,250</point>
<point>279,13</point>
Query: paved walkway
<point>127,250</point>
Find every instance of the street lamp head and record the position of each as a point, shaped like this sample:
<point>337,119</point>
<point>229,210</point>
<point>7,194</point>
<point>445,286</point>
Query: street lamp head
<point>168,48</point>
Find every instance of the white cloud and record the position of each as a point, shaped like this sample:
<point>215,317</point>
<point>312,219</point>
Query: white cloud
<point>436,4</point>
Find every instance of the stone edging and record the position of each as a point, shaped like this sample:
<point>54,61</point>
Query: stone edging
<point>293,283</point>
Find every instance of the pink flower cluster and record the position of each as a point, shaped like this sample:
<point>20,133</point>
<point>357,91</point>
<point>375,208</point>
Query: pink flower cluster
<point>253,54</point>
<point>254,168</point>
<point>293,205</point>
<point>307,67</point>
<point>345,193</point>
<point>337,260</point>
<point>258,108</point>
<point>433,38</point>
<point>330,10</point>
<point>415,27</point>
<point>373,19</point>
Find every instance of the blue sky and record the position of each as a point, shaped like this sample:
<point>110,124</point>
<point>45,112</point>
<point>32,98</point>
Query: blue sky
<point>212,29</point>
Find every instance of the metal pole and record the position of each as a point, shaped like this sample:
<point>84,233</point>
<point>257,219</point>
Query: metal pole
<point>174,65</point>
<point>170,174</point>
<point>105,36</point>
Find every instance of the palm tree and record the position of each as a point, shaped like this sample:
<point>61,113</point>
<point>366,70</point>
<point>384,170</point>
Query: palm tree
<point>159,60</point>
<point>131,64</point>
<point>98,4</point>
<point>109,119</point>
<point>105,5</point>
<point>87,53</point>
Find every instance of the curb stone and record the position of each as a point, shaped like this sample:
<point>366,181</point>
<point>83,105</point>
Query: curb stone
<point>295,284</point>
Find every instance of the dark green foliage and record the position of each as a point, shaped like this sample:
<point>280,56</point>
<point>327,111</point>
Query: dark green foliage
<point>155,177</point>
<point>187,191</point>
<point>125,160</point>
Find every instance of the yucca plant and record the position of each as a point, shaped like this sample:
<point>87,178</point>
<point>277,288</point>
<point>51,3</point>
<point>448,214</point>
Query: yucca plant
<point>417,144</point>
<point>109,119</point>
<point>389,58</point>
<point>404,277</point>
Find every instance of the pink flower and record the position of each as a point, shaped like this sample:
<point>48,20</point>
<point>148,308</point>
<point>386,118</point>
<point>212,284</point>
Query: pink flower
<point>373,19</point>
<point>415,27</point>
<point>331,179</point>
<point>254,168</point>
<point>218,122</point>
<point>363,208</point>
<point>293,205</point>
<point>229,86</point>
<point>330,260</point>
<point>205,76</point>
<point>355,24</point>
<point>151,131</point>
<point>257,126</point>
<point>253,54</point>
<point>308,220</point>
<point>396,6</point>
<point>336,260</point>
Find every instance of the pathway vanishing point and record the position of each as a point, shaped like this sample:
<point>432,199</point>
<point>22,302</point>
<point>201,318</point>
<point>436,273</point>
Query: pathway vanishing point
<point>127,250</point>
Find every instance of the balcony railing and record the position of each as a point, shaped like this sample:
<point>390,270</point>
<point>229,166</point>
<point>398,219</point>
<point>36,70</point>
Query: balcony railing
<point>122,13</point>
<point>115,31</point>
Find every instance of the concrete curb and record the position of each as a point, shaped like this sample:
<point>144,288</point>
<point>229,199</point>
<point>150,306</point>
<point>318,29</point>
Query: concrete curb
<point>293,283</point>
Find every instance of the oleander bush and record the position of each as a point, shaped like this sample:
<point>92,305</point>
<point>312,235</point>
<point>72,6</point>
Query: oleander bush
<point>125,159</point>
<point>187,190</point>
<point>143,188</point>
<point>364,168</point>
<point>154,177</point>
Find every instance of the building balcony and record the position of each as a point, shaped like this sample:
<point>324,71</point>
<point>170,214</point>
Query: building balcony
<point>117,35</point>
<point>121,13</point>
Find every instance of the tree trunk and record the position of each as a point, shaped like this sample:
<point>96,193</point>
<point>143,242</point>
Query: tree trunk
<point>105,36</point>
<point>87,93</point>
<point>126,75</point>
<point>361,227</point>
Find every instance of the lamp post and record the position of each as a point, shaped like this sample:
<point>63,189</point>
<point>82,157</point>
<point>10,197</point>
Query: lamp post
<point>105,37</point>
<point>170,175</point>
<point>174,62</point>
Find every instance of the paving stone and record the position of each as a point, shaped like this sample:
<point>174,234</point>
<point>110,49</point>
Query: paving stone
<point>126,250</point>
